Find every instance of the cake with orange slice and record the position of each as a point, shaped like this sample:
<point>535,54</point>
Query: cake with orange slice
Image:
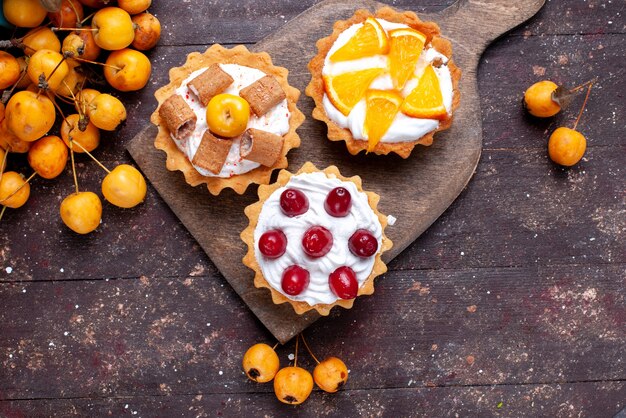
<point>227,118</point>
<point>384,82</point>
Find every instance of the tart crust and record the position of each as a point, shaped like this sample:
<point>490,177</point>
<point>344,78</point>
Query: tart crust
<point>177,160</point>
<point>253,211</point>
<point>315,89</point>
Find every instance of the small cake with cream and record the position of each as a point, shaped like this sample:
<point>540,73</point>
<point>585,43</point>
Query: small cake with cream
<point>384,82</point>
<point>315,239</point>
<point>227,118</point>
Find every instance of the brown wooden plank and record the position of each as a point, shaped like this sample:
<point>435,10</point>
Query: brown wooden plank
<point>598,399</point>
<point>129,337</point>
<point>447,165</point>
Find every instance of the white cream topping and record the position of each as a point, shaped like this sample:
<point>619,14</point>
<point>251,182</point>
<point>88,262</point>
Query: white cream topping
<point>403,128</point>
<point>275,121</point>
<point>316,187</point>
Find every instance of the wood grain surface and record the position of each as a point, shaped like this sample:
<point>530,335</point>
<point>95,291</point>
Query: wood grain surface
<point>524,272</point>
<point>416,191</point>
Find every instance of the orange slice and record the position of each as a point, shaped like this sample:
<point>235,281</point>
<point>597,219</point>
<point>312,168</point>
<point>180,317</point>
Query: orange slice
<point>370,39</point>
<point>381,108</point>
<point>345,90</point>
<point>425,101</point>
<point>405,47</point>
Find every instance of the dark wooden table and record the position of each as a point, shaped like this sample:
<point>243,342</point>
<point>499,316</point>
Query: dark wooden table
<point>512,304</point>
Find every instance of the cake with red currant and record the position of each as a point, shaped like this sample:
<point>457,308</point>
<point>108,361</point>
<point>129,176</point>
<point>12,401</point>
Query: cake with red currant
<point>227,118</point>
<point>315,239</point>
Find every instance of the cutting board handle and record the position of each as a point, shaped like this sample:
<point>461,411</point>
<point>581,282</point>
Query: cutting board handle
<point>474,24</point>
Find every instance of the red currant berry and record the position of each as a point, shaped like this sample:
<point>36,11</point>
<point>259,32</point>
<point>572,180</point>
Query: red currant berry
<point>363,244</point>
<point>295,280</point>
<point>343,283</point>
<point>273,244</point>
<point>338,202</point>
<point>293,202</point>
<point>317,241</point>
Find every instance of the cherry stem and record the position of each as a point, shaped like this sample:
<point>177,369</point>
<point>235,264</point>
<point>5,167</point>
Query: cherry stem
<point>275,345</point>
<point>78,22</point>
<point>8,93</point>
<point>55,69</point>
<point>582,109</point>
<point>55,29</point>
<point>309,350</point>
<point>86,19</point>
<point>97,63</point>
<point>19,188</point>
<point>92,157</point>
<point>295,361</point>
<point>2,211</point>
<point>73,165</point>
<point>586,83</point>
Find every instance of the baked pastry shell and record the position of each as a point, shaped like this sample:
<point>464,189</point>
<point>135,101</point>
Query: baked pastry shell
<point>315,89</point>
<point>178,161</point>
<point>253,211</point>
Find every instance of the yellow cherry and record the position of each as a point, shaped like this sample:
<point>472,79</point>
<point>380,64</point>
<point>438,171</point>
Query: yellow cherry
<point>227,115</point>
<point>293,385</point>
<point>9,70</point>
<point>261,363</point>
<point>127,70</point>
<point>124,186</point>
<point>81,212</point>
<point>106,112</point>
<point>566,146</point>
<point>114,28</point>
<point>48,156</point>
<point>86,134</point>
<point>14,191</point>
<point>331,374</point>
<point>47,67</point>
<point>24,13</point>
<point>538,99</point>
<point>29,115</point>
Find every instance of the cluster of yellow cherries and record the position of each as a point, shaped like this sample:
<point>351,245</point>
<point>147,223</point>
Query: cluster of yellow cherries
<point>293,384</point>
<point>545,99</point>
<point>55,69</point>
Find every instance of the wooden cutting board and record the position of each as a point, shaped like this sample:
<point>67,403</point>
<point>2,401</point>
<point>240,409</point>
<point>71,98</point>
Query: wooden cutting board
<point>416,191</point>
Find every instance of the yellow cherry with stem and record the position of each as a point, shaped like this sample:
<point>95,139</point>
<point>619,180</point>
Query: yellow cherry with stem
<point>124,186</point>
<point>106,112</point>
<point>81,44</point>
<point>77,130</point>
<point>48,156</point>
<point>127,70</point>
<point>147,31</point>
<point>80,211</point>
<point>331,374</point>
<point>40,38</point>
<point>9,70</point>
<point>30,115</point>
<point>134,6</point>
<point>567,146</point>
<point>260,363</point>
<point>113,28</point>
<point>293,384</point>
<point>24,13</point>
<point>14,189</point>
<point>47,69</point>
